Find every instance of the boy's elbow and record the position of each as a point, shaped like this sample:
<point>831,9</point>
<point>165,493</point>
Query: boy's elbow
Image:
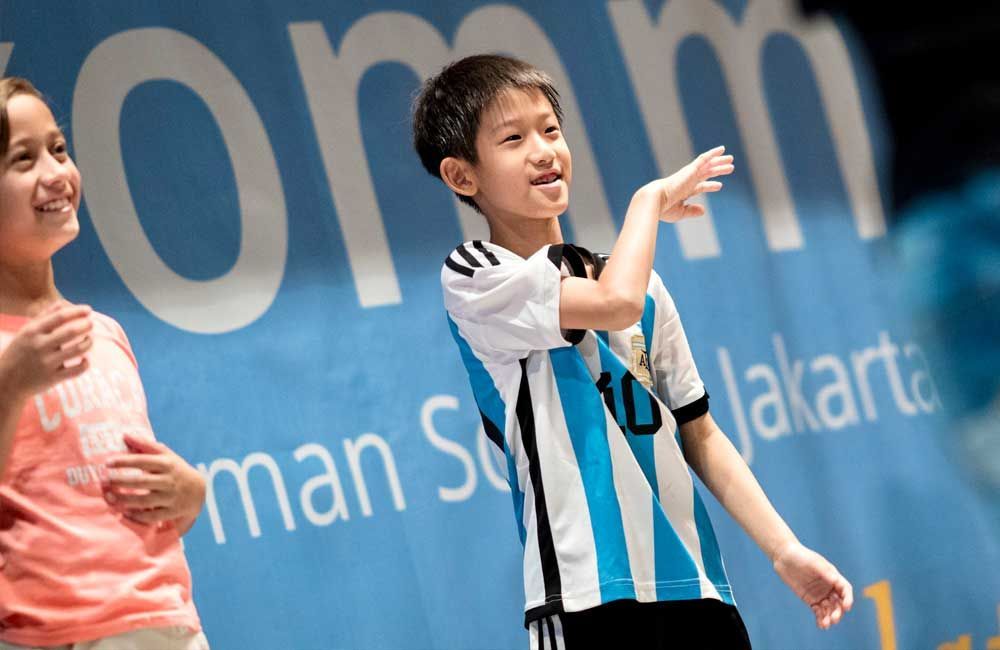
<point>624,311</point>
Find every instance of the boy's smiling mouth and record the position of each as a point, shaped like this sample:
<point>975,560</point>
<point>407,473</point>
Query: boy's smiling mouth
<point>546,178</point>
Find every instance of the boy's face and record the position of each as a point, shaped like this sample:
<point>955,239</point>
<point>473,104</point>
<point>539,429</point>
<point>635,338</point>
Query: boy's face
<point>39,185</point>
<point>524,169</point>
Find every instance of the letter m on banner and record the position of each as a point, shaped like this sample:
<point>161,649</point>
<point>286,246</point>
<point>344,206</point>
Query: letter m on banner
<point>650,46</point>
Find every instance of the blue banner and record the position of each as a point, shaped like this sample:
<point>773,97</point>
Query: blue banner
<point>256,219</point>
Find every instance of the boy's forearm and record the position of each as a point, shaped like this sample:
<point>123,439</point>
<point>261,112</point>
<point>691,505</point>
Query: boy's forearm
<point>723,471</point>
<point>631,261</point>
<point>617,298</point>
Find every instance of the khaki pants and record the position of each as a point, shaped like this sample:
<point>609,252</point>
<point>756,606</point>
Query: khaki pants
<point>157,638</point>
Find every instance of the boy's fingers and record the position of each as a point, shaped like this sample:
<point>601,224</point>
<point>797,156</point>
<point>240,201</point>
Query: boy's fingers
<point>717,151</point>
<point>847,595</point>
<point>707,186</point>
<point>688,211</point>
<point>721,170</point>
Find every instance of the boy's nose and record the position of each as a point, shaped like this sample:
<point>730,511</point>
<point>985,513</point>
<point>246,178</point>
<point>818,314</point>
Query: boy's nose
<point>543,152</point>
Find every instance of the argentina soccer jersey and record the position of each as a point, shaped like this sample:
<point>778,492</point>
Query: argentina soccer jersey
<point>587,425</point>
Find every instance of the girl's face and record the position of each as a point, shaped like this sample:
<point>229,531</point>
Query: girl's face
<point>39,186</point>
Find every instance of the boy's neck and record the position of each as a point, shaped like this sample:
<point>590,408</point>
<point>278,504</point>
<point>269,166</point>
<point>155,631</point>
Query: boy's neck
<point>28,290</point>
<point>526,236</point>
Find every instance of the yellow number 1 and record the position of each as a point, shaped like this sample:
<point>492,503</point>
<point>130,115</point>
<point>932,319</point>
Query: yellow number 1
<point>881,593</point>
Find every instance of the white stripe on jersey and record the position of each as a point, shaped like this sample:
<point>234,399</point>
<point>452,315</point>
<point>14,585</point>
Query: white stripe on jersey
<point>637,513</point>
<point>566,500</point>
<point>534,580</point>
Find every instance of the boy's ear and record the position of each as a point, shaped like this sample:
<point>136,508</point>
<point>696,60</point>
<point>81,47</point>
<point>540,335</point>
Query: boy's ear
<point>459,175</point>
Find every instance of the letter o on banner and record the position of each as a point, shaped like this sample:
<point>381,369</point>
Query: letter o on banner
<point>111,71</point>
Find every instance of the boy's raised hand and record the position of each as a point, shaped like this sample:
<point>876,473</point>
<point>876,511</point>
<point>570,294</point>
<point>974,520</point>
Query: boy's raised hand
<point>689,181</point>
<point>816,581</point>
<point>50,348</point>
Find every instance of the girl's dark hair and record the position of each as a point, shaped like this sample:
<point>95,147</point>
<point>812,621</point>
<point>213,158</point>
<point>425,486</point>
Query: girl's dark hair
<point>11,87</point>
<point>449,106</point>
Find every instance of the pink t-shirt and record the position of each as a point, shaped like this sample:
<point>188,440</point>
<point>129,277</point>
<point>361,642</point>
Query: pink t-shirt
<point>72,568</point>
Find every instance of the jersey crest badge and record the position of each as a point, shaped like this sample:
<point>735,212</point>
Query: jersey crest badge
<point>640,361</point>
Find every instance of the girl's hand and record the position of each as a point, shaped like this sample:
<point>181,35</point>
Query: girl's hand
<point>49,349</point>
<point>692,179</point>
<point>816,582</point>
<point>156,484</point>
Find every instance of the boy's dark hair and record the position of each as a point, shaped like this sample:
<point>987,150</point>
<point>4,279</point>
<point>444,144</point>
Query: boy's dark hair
<point>448,109</point>
<point>9,88</point>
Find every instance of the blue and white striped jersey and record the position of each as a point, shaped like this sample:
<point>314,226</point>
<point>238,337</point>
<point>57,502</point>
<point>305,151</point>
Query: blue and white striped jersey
<point>586,423</point>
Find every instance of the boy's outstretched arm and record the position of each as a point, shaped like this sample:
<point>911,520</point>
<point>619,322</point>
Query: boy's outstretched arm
<point>616,300</point>
<point>721,468</point>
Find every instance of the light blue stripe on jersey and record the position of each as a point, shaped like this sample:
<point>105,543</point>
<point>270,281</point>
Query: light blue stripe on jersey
<point>491,404</point>
<point>672,561</point>
<point>676,573</point>
<point>586,422</point>
<point>710,551</point>
<point>642,446</point>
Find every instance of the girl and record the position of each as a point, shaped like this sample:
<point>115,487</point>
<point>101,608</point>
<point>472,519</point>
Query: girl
<point>91,507</point>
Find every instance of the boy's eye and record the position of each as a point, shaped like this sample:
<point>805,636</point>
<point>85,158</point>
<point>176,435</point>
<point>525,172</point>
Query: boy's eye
<point>59,148</point>
<point>551,129</point>
<point>512,138</point>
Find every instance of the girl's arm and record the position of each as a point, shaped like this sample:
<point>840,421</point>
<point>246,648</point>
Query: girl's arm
<point>35,359</point>
<point>166,487</point>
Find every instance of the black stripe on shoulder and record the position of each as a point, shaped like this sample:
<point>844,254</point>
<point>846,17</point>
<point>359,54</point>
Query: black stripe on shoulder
<point>573,337</point>
<point>587,255</point>
<point>487,253</point>
<point>600,261</point>
<point>575,261</point>
<point>556,255</point>
<point>467,256</point>
<point>458,268</point>
<point>691,411</point>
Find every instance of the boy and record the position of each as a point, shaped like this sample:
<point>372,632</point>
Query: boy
<point>582,374</point>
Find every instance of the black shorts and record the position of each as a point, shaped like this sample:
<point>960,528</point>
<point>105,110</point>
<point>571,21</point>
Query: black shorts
<point>705,624</point>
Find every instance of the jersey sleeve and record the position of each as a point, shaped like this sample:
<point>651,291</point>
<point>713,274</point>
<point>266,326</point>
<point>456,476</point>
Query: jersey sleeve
<point>502,304</point>
<point>674,371</point>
